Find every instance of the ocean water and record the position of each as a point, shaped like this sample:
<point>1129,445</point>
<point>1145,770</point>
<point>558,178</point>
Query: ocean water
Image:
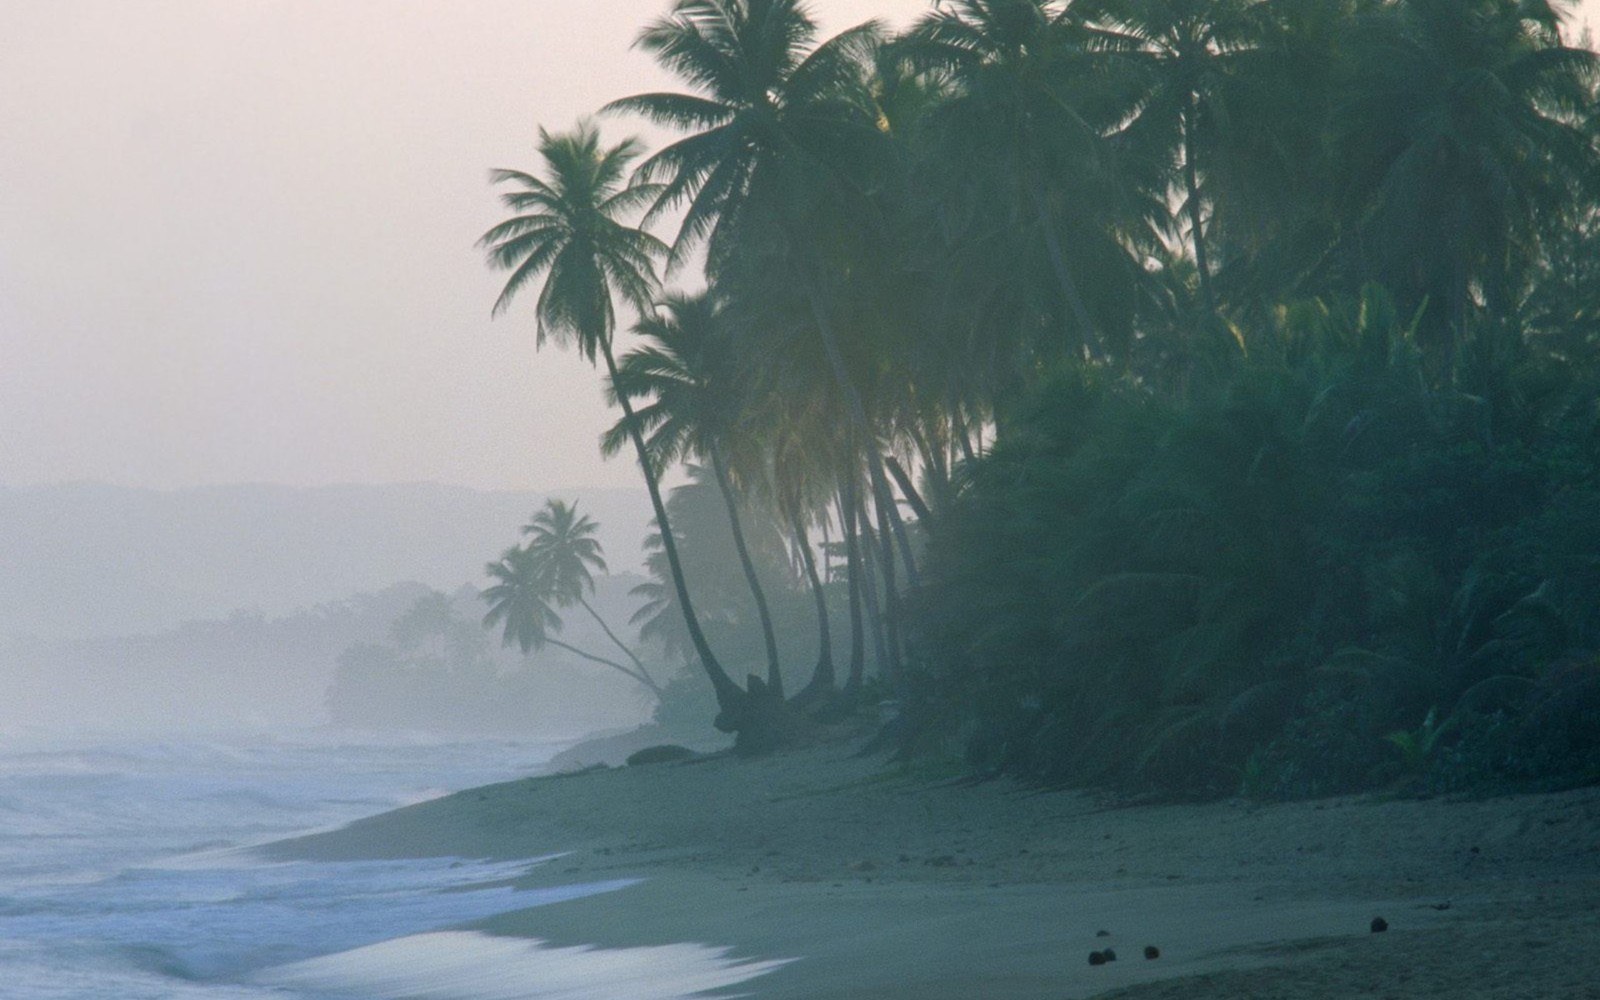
<point>125,875</point>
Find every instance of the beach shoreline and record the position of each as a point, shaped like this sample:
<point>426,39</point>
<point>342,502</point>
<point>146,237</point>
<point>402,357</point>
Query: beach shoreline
<point>884,881</point>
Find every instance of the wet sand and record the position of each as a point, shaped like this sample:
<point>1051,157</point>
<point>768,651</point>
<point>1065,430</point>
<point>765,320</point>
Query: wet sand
<point>880,881</point>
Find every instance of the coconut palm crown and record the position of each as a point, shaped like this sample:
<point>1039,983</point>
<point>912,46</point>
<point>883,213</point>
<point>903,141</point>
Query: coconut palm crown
<point>763,96</point>
<point>569,230</point>
<point>563,540</point>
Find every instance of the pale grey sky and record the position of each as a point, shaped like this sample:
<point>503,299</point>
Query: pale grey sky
<point>236,237</point>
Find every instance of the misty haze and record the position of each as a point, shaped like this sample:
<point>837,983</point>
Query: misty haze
<point>825,499</point>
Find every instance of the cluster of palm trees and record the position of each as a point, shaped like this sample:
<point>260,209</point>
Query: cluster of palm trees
<point>901,233</point>
<point>552,570</point>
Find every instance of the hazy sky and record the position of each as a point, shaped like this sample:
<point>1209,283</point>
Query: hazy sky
<point>236,237</point>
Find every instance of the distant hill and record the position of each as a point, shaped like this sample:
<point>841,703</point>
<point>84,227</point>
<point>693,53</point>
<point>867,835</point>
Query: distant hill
<point>249,672</point>
<point>85,560</point>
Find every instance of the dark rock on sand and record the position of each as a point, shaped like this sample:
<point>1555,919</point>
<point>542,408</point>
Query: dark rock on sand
<point>666,753</point>
<point>1151,952</point>
<point>1379,925</point>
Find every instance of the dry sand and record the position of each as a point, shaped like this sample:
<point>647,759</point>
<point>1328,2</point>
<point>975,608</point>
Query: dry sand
<point>885,882</point>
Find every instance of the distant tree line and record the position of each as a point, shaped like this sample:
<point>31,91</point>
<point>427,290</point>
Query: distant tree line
<point>1191,394</point>
<point>430,667</point>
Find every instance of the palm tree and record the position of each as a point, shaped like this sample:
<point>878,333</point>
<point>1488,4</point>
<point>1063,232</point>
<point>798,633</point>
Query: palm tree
<point>1023,136</point>
<point>1464,134</point>
<point>563,543</point>
<point>766,109</point>
<point>1181,50</point>
<point>774,174</point>
<point>1265,167</point>
<point>568,230</point>
<point>520,601</point>
<point>686,370</point>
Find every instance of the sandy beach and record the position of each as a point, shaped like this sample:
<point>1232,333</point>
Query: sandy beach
<point>869,879</point>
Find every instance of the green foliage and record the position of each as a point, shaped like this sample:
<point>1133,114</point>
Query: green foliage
<point>1416,746</point>
<point>1114,577</point>
<point>1265,589</point>
<point>1206,503</point>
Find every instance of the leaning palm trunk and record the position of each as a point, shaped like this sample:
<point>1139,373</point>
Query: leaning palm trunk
<point>731,699</point>
<point>1069,287</point>
<point>963,436</point>
<point>641,677</point>
<point>768,635</point>
<point>877,617</point>
<point>1191,181</point>
<point>853,574</point>
<point>935,466</point>
<point>891,595</point>
<point>908,489</point>
<point>895,526</point>
<point>638,665</point>
<point>858,417</point>
<point>822,679</point>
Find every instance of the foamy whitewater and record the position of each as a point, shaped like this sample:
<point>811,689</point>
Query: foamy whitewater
<point>123,877</point>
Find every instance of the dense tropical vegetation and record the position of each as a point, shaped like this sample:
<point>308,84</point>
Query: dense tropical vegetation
<point>1182,395</point>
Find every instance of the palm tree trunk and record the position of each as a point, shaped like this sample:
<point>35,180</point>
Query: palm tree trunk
<point>848,508</point>
<point>963,436</point>
<point>1069,288</point>
<point>856,410</point>
<point>894,529</point>
<point>1191,180</point>
<point>822,679</point>
<point>909,489</point>
<point>731,698</point>
<point>871,559</point>
<point>934,449</point>
<point>891,595</point>
<point>613,637</point>
<point>641,678</point>
<point>774,674</point>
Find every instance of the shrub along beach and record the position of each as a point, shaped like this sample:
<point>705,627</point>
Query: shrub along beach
<point>1180,402</point>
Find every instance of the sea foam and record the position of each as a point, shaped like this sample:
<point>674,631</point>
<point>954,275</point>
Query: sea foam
<point>454,965</point>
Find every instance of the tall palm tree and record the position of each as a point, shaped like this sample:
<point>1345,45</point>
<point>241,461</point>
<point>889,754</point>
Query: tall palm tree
<point>774,174</point>
<point>1180,50</point>
<point>686,373</point>
<point>1023,139</point>
<point>766,108</point>
<point>520,601</point>
<point>562,542</point>
<point>568,229</point>
<point>1463,134</point>
<point>1266,168</point>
